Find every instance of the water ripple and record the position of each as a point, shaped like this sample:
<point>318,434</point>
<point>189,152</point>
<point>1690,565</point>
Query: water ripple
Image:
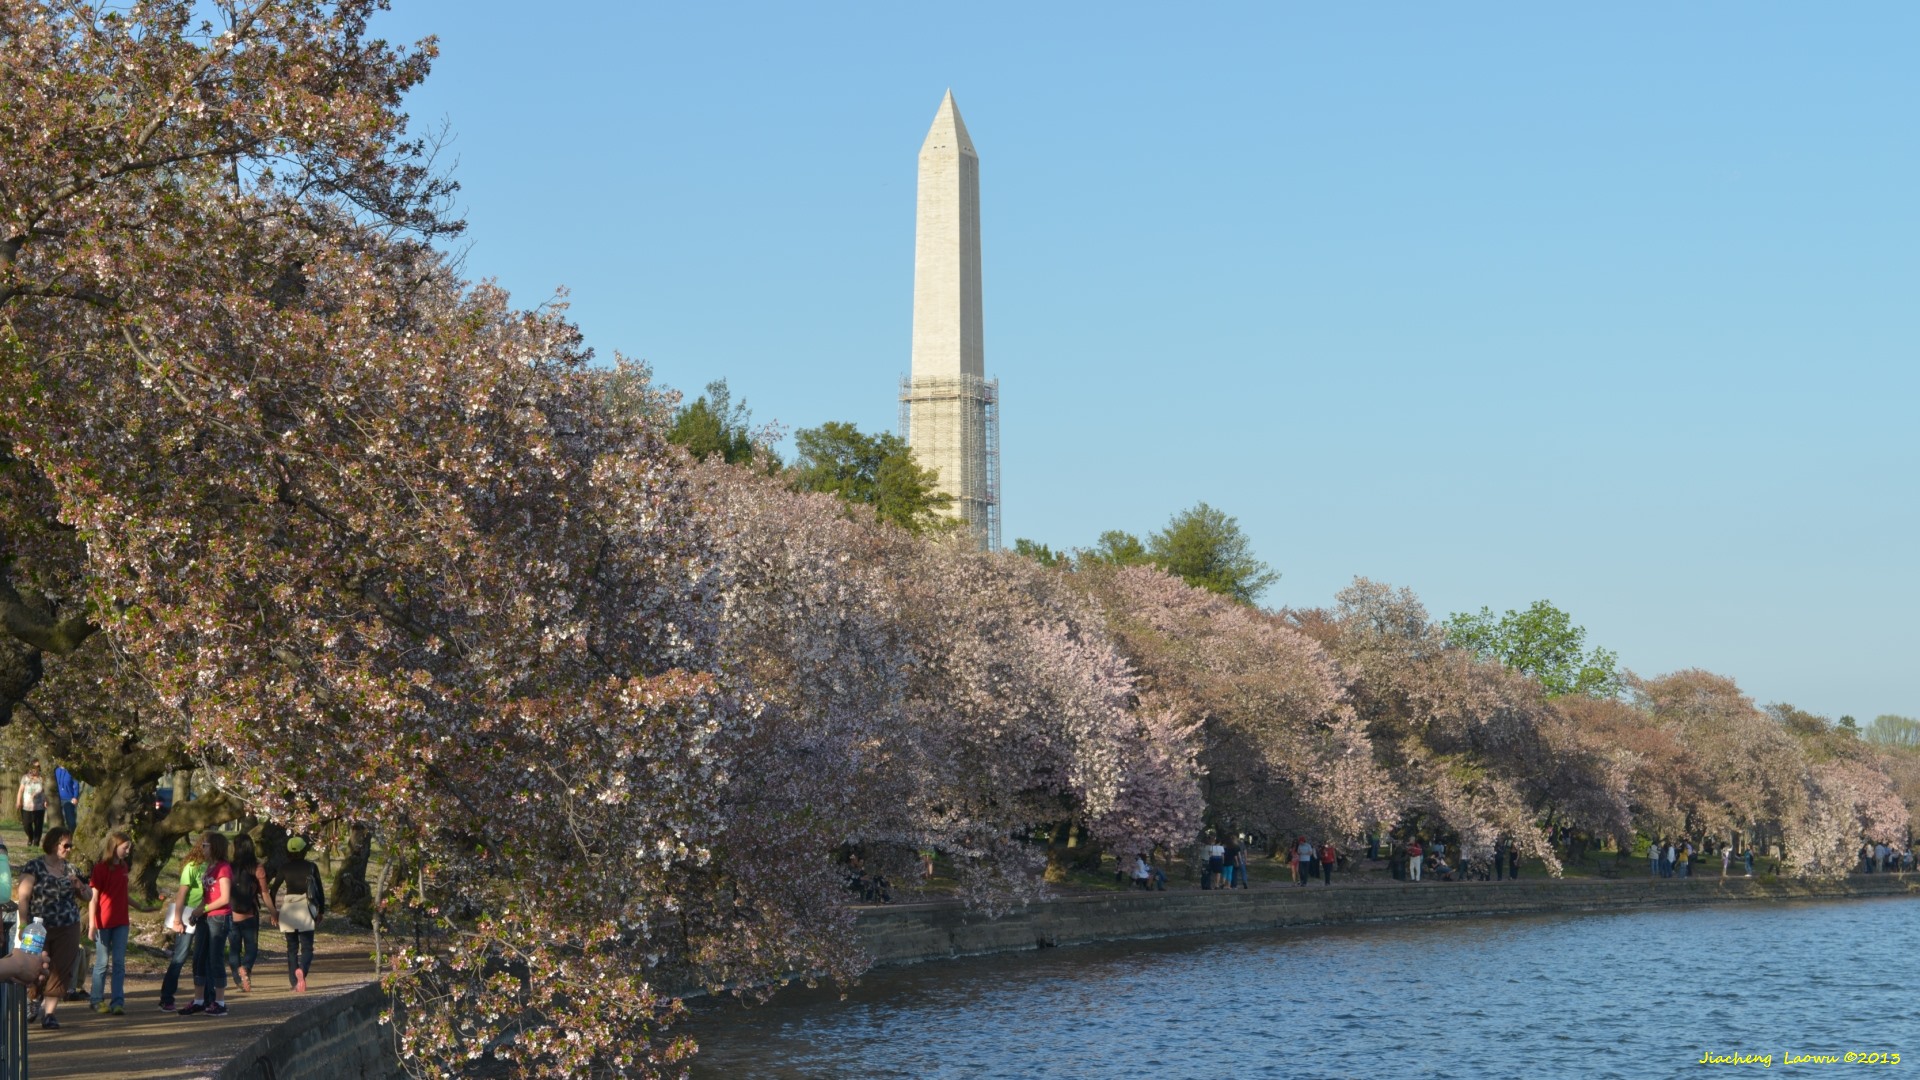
<point>1603,994</point>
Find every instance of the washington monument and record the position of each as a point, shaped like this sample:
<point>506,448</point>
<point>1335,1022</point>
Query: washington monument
<point>949,408</point>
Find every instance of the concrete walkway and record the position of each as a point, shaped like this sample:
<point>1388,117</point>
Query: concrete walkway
<point>147,1044</point>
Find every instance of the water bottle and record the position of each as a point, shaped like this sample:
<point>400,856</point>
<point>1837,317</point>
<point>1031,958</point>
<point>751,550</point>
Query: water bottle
<point>34,938</point>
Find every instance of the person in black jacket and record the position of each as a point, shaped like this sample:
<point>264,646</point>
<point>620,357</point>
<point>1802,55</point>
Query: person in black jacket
<point>299,902</point>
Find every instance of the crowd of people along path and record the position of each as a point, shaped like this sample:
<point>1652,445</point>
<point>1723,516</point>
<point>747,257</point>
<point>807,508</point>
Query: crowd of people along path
<point>224,896</point>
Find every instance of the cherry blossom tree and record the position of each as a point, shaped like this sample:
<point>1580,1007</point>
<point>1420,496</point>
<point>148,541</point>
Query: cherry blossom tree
<point>914,694</point>
<point>1477,749</point>
<point>1283,750</point>
<point>365,536</point>
<point>1746,773</point>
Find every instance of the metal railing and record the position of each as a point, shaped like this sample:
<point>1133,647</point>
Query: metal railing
<point>13,1002</point>
<point>13,1008</point>
<point>13,1031</point>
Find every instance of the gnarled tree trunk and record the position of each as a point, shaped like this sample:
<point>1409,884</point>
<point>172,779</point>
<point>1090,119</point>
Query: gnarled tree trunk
<point>350,894</point>
<point>154,845</point>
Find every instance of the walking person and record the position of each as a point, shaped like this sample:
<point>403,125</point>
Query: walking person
<point>1726,858</point>
<point>300,903</point>
<point>31,801</point>
<point>1749,854</point>
<point>186,933</point>
<point>69,790</point>
<point>49,889</point>
<point>1414,854</point>
<point>1293,862</point>
<point>1216,865</point>
<point>215,916</point>
<point>250,896</point>
<point>108,923</point>
<point>1653,859</point>
<point>1233,863</point>
<point>1142,874</point>
<point>1328,856</point>
<point>1303,851</point>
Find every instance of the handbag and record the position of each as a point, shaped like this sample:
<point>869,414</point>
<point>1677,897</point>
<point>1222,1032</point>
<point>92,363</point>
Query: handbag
<point>296,913</point>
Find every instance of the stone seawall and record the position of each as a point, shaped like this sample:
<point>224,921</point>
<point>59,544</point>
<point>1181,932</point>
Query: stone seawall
<point>337,1039</point>
<point>343,1039</point>
<point>916,933</point>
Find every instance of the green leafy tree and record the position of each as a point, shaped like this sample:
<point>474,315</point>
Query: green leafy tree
<point>1542,642</point>
<point>871,470</point>
<point>1891,730</point>
<point>1116,547</point>
<point>1205,548</point>
<point>715,424</point>
<point>1040,553</point>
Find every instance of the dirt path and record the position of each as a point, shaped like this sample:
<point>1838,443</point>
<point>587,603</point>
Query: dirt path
<point>147,1044</point>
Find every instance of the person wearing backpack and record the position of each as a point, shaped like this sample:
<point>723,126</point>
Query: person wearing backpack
<point>300,903</point>
<point>249,893</point>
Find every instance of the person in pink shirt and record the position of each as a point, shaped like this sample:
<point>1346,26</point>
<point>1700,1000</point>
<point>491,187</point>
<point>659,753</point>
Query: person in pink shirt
<point>216,926</point>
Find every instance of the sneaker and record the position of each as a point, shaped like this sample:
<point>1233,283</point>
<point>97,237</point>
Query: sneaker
<point>190,1009</point>
<point>218,1008</point>
<point>116,1010</point>
<point>49,1023</point>
<point>168,1006</point>
<point>99,1007</point>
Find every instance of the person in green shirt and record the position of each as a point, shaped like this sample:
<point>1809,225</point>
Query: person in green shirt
<point>187,897</point>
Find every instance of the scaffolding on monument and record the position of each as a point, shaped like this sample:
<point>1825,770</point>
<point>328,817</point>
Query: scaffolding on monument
<point>969,423</point>
<point>990,404</point>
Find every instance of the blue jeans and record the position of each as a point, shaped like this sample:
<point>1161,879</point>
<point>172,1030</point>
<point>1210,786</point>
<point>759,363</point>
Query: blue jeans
<point>244,947</point>
<point>215,930</point>
<point>183,948</point>
<point>110,946</point>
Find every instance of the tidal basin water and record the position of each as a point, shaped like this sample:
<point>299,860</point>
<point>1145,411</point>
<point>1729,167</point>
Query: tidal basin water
<point>1613,994</point>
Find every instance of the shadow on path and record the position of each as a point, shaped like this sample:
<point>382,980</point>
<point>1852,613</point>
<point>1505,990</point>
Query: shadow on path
<point>146,1043</point>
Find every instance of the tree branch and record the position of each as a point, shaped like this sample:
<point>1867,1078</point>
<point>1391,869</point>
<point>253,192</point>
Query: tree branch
<point>23,621</point>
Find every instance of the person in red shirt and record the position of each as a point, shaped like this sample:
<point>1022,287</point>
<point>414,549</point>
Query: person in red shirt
<point>1329,855</point>
<point>107,923</point>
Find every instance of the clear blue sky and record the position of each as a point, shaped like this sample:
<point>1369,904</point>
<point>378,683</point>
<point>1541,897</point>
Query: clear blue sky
<point>1616,306</point>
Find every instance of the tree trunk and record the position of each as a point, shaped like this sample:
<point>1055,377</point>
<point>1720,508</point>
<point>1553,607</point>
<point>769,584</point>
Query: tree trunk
<point>20,670</point>
<point>350,894</point>
<point>154,845</point>
<point>120,795</point>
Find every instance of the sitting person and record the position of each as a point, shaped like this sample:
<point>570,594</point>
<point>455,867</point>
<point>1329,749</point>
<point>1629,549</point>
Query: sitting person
<point>1440,870</point>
